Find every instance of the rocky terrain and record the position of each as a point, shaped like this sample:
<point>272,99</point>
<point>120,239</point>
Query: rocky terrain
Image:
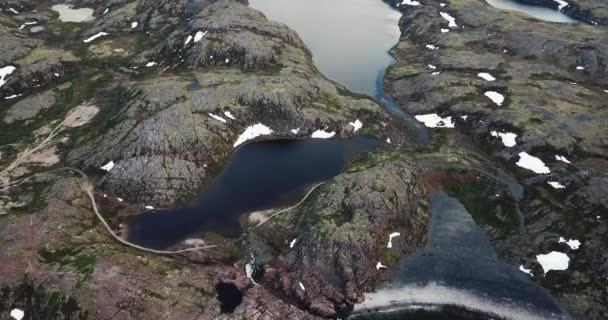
<point>552,80</point>
<point>143,102</point>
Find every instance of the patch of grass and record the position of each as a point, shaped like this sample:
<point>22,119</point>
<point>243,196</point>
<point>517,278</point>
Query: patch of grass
<point>72,257</point>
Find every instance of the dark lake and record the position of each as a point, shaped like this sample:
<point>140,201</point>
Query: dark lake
<point>261,175</point>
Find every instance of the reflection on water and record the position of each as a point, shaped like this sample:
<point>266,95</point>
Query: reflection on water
<point>541,13</point>
<point>349,39</point>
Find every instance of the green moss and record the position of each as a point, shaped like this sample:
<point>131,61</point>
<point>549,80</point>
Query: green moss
<point>372,159</point>
<point>72,257</point>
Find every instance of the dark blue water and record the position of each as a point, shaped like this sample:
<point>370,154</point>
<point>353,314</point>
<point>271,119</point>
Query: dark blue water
<point>261,175</point>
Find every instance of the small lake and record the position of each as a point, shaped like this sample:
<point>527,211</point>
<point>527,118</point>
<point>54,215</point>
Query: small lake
<point>546,14</point>
<point>260,176</point>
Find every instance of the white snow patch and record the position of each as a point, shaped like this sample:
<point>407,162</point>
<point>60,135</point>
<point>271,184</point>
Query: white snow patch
<point>561,4</point>
<point>562,159</point>
<point>93,37</point>
<point>227,61</point>
<point>532,163</point>
<point>249,270</point>
<point>149,207</point>
<point>356,124</point>
<point>524,270</point>
<point>432,67</point>
<point>293,243</point>
<point>199,36</point>
<point>508,138</point>
<point>108,166</point>
<point>13,96</point>
<point>388,140</point>
<point>451,20</point>
<point>229,115</point>
<point>495,97</point>
<point>556,185</point>
<point>120,199</point>
<point>253,132</point>
<point>106,11</point>
<point>295,131</point>
<point>379,265</point>
<point>13,10</point>
<point>17,314</point>
<point>580,68</point>
<point>433,120</point>
<point>390,239</point>
<point>218,118</point>
<point>322,134</point>
<point>134,24</point>
<point>445,30</point>
<point>410,3</point>
<point>4,72</point>
<point>435,73</point>
<point>188,39</point>
<point>464,117</point>
<point>572,243</point>
<point>553,261</point>
<point>301,286</point>
<point>150,64</point>
<point>432,47</point>
<point>442,4</point>
<point>486,76</point>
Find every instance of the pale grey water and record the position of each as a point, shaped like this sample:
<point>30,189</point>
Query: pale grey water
<point>540,13</point>
<point>349,39</point>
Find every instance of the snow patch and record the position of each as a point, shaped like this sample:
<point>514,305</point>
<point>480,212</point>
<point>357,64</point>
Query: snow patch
<point>322,134</point>
<point>301,286</point>
<point>229,115</point>
<point>379,266</point>
<point>464,117</point>
<point>93,37</point>
<point>134,24</point>
<point>120,199</point>
<point>556,185</point>
<point>495,97</point>
<point>356,124</point>
<point>293,243</point>
<point>445,30</point>
<point>390,239</point>
<point>13,96</point>
<point>442,4</point>
<point>451,20</point>
<point>149,207</point>
<point>529,162</point>
<point>253,132</point>
<point>524,270</point>
<point>432,67</point>
<point>580,68</point>
<point>188,39</point>
<point>486,76</point>
<point>4,73</point>
<point>433,120</point>
<point>431,47</point>
<point>572,243</point>
<point>508,138</point>
<point>561,4</point>
<point>150,64</point>
<point>108,166</point>
<point>562,159</point>
<point>410,3</point>
<point>199,36</point>
<point>388,140</point>
<point>218,118</point>
<point>295,131</point>
<point>553,261</point>
<point>17,314</point>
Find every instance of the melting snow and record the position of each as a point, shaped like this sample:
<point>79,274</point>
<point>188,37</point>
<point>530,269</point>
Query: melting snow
<point>486,76</point>
<point>388,140</point>
<point>17,314</point>
<point>433,120</point>
<point>199,36</point>
<point>495,97</point>
<point>106,11</point>
<point>91,38</point>
<point>442,4</point>
<point>572,243</point>
<point>229,115</point>
<point>253,132</point>
<point>295,131</point>
<point>356,124</point>
<point>410,2</point>
<point>149,207</point>
<point>532,163</point>
<point>379,266</point>
<point>431,47</point>
<point>293,243</point>
<point>508,138</point>
<point>524,270</point>
<point>13,96</point>
<point>302,286</point>
<point>390,239</point>
<point>322,134</point>
<point>435,73</point>
<point>218,118</point>
<point>150,64</point>
<point>249,270</point>
<point>553,261</point>
<point>562,159</point>
<point>134,24</point>
<point>432,67</point>
<point>188,39</point>
<point>464,117</point>
<point>4,72</point>
<point>451,20</point>
<point>444,30</point>
<point>227,60</point>
<point>120,199</point>
<point>561,4</point>
<point>556,184</point>
<point>580,68</point>
<point>108,166</point>
<point>13,10</point>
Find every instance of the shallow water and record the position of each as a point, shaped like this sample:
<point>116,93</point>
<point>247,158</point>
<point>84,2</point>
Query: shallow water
<point>260,175</point>
<point>537,12</point>
<point>349,39</point>
<point>68,14</point>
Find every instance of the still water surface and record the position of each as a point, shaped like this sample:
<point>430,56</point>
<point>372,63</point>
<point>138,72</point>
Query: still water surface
<point>540,13</point>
